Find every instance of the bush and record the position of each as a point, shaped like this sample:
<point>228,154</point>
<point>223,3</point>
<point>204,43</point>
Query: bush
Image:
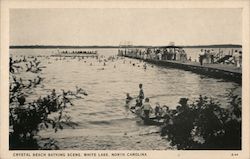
<point>204,124</point>
<point>27,118</point>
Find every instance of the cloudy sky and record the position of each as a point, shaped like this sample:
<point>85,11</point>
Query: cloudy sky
<point>111,26</point>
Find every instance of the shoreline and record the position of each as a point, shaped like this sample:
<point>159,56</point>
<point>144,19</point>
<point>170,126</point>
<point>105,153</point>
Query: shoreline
<point>110,142</point>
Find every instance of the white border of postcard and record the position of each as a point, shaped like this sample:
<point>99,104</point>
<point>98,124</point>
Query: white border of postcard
<point>6,5</point>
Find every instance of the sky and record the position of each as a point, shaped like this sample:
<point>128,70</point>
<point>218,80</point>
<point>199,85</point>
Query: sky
<point>107,26</point>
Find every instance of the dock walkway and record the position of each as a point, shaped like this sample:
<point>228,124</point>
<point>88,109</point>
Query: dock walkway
<point>222,71</point>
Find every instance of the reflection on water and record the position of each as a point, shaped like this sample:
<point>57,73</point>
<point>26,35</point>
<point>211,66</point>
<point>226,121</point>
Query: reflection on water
<point>101,115</point>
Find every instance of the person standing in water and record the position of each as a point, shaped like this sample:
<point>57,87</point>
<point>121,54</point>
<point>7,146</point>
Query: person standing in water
<point>141,94</point>
<point>146,108</point>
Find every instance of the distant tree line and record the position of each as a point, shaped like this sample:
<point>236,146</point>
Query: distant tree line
<point>114,46</point>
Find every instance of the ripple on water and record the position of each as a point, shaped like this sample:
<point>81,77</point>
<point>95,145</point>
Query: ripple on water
<point>101,115</point>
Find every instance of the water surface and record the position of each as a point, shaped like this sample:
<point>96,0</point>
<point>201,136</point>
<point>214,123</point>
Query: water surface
<point>104,122</point>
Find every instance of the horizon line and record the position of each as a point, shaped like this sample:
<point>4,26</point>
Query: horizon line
<point>116,46</point>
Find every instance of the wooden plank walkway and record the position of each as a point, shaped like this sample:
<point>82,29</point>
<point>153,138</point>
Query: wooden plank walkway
<point>221,71</point>
<point>225,67</point>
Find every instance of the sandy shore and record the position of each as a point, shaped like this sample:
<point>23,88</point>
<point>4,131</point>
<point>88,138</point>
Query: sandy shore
<point>108,142</point>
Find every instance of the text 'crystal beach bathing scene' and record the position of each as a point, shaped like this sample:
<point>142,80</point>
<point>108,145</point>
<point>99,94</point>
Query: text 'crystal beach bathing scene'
<point>125,79</point>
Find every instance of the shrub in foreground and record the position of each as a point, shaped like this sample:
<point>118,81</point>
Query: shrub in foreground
<point>204,124</point>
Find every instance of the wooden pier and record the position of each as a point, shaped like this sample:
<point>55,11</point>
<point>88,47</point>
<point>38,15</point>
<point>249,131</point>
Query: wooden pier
<point>74,55</point>
<point>221,71</point>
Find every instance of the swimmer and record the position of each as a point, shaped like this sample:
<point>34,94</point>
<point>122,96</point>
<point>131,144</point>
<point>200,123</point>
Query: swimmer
<point>128,98</point>
<point>81,91</point>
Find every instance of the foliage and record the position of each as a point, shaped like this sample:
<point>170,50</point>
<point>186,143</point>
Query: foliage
<point>204,124</point>
<point>27,118</point>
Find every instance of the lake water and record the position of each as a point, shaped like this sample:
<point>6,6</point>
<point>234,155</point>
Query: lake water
<point>104,122</point>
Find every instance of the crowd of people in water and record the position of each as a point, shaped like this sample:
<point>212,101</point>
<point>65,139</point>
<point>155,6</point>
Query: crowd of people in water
<point>19,87</point>
<point>33,64</point>
<point>142,105</point>
<point>147,111</point>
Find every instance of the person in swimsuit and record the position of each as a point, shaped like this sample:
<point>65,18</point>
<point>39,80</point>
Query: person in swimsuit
<point>146,108</point>
<point>141,94</point>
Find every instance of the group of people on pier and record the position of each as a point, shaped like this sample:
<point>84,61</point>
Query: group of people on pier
<point>237,58</point>
<point>209,56</point>
<point>174,53</point>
